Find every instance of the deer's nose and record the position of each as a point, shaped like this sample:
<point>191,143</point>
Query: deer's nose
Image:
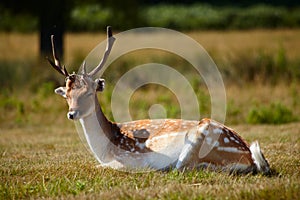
<point>72,114</point>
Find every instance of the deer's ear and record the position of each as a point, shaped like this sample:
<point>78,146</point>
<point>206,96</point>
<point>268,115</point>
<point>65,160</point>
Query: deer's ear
<point>100,84</point>
<point>61,91</point>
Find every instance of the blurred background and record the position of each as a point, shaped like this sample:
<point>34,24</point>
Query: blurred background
<point>255,45</point>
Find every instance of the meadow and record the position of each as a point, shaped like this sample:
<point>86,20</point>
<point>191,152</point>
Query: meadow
<point>42,156</point>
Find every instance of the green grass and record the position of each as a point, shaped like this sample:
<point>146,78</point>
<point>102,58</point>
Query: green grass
<point>41,155</point>
<point>51,162</point>
<point>275,113</point>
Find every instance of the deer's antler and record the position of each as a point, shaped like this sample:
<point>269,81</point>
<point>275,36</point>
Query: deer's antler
<point>56,64</point>
<point>110,42</point>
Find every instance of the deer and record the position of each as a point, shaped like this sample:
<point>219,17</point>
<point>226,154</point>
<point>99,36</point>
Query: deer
<point>157,144</point>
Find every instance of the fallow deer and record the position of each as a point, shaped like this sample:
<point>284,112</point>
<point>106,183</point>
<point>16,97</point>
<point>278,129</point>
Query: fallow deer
<point>152,144</point>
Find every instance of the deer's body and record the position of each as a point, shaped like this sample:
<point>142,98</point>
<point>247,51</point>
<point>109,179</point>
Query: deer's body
<point>163,143</point>
<point>155,144</point>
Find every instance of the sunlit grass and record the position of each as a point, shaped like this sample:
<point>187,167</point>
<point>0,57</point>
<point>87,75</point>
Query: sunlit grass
<point>219,43</point>
<point>50,161</point>
<point>41,155</point>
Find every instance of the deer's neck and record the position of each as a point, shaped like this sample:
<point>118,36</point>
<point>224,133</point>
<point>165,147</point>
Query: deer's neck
<point>98,131</point>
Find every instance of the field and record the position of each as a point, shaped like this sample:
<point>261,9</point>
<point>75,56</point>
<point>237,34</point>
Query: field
<point>51,162</point>
<point>41,155</point>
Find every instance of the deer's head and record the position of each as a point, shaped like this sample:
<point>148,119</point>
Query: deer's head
<point>80,89</point>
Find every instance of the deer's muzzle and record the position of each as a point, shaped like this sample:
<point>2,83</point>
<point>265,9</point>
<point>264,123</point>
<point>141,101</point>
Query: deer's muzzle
<point>72,115</point>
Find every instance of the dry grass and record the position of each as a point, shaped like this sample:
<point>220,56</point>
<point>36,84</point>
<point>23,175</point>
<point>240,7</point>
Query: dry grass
<point>222,44</point>
<point>229,43</point>
<point>51,162</point>
<point>242,98</point>
<point>41,156</point>
<point>17,46</point>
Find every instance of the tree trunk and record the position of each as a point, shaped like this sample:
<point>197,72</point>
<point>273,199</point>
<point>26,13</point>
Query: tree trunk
<point>52,22</point>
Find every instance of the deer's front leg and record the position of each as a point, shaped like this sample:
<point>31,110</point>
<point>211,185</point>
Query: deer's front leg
<point>189,154</point>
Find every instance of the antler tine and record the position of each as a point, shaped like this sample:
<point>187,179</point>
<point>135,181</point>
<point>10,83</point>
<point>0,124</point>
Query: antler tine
<point>56,64</point>
<point>110,42</point>
<point>83,71</point>
<point>56,61</point>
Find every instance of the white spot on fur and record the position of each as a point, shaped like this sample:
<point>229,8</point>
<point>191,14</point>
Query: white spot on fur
<point>205,132</point>
<point>235,140</point>
<point>132,149</point>
<point>218,131</point>
<point>216,144</point>
<point>141,145</point>
<point>226,140</point>
<point>203,129</point>
<point>208,140</point>
<point>230,149</point>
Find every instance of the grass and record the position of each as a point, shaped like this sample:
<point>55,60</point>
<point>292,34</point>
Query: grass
<point>268,60</point>
<point>220,44</point>
<point>41,156</point>
<point>276,113</point>
<point>51,162</point>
